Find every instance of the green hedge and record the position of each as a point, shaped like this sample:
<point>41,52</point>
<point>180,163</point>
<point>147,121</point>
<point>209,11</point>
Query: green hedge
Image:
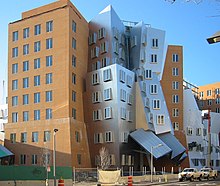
<point>8,173</point>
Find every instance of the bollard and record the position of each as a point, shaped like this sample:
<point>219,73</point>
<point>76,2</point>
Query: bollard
<point>130,182</point>
<point>159,179</point>
<point>60,182</point>
<point>165,178</point>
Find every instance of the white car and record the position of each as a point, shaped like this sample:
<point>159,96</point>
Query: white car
<point>190,174</point>
<point>209,173</point>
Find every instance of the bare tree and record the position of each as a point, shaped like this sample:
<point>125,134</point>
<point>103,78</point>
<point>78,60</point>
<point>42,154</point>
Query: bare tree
<point>104,158</point>
<point>194,1</point>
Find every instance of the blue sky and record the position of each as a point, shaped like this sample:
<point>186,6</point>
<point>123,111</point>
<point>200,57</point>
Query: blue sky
<point>186,24</point>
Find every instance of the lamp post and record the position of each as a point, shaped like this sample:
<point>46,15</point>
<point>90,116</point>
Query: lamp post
<point>54,155</point>
<point>151,162</point>
<point>214,38</point>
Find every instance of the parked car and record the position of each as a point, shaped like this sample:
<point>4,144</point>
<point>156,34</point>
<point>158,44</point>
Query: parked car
<point>190,174</point>
<point>209,173</point>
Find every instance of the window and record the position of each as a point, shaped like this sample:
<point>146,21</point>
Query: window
<point>153,89</point>
<point>156,104</point>
<point>129,116</point>
<point>37,46</point>
<point>22,159</point>
<point>73,61</point>
<point>49,113</point>
<point>26,33</point>
<point>104,47</point>
<point>47,136</point>
<point>209,92</point>
<point>107,113</point>
<point>124,137</point>
<point>107,95</point>
<point>123,113</point>
<point>175,98</point>
<point>49,61</point>
<point>26,49</point>
<point>13,137</point>
<point>25,66</point>
<point>217,110</point>
<point>14,68</point>
<point>73,26</point>
<point>209,102</point>
<point>37,63</point>
<point>175,71</point>
<point>14,117</point>
<point>122,54</point>
<point>74,96</point>
<point>15,52</point>
<point>160,119</point>
<point>189,131</point>
<point>49,78</point>
<point>129,81</point>
<point>217,91</point>
<point>96,65</point>
<point>116,47</point>
<point>37,97</point>
<point>49,26</point>
<point>123,95</point>
<point>153,58</point>
<point>77,137</point>
<point>217,163</point>
<point>175,85</point>
<point>49,43</point>
<point>129,99</point>
<point>34,136</point>
<point>49,96</point>
<point>34,159</point>
<point>97,115</point>
<point>36,114</point>
<point>14,101</point>
<point>24,137</point>
<point>176,126</point>
<point>111,159</point>
<point>175,112</point>
<point>101,33</point>
<point>95,78</point>
<point>122,76</point>
<point>108,136</point>
<point>74,113</point>
<point>25,99</point>
<point>73,78</point>
<point>96,97</point>
<point>37,29</point>
<point>201,94</point>
<point>25,116</point>
<point>79,159</point>
<point>94,52</point>
<point>15,84</point>
<point>133,41</point>
<point>73,43</point>
<point>154,43</point>
<point>105,62</point>
<point>175,58</point>
<point>37,80</point>
<point>92,38</point>
<point>195,162</point>
<point>98,138</point>
<point>217,101</point>
<point>198,131</point>
<point>204,132</point>
<point>107,75</point>
<point>15,36</point>
<point>148,74</point>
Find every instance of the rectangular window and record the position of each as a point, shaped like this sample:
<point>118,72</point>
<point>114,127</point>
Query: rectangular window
<point>108,137</point>
<point>49,43</point>
<point>160,119</point>
<point>36,114</point>
<point>156,104</point>
<point>153,89</point>
<point>96,97</point>
<point>26,49</point>
<point>73,61</point>
<point>25,116</point>
<point>49,78</point>
<point>47,136</point>
<point>123,113</point>
<point>34,136</point>
<point>34,159</point>
<point>122,76</point>
<point>14,68</point>
<point>175,58</point>
<point>14,101</point>
<point>37,46</point>
<point>129,116</point>
<point>107,75</point>
<point>154,43</point>
<point>124,137</point>
<point>49,26</point>
<point>24,137</point>
<point>14,117</point>
<point>15,84</point>
<point>123,95</point>
<point>176,126</point>
<point>209,92</point>
<point>37,63</point>
<point>74,113</point>
<point>37,80</point>
<point>49,113</point>
<point>95,78</point>
<point>116,47</point>
<point>74,96</point>
<point>13,137</point>
<point>153,58</point>
<point>175,112</point>
<point>37,97</point>
<point>175,71</point>
<point>77,137</point>
<point>107,113</point>
<point>22,159</point>
<point>198,131</point>
<point>49,96</point>
<point>37,29</point>
<point>175,98</point>
<point>15,36</point>
<point>73,26</point>
<point>15,52</point>
<point>92,38</point>
<point>25,66</point>
<point>25,99</point>
<point>105,62</point>
<point>98,138</point>
<point>26,33</point>
<point>107,94</point>
<point>97,115</point>
<point>49,61</point>
<point>96,65</point>
<point>101,33</point>
<point>94,52</point>
<point>175,85</point>
<point>129,81</point>
<point>129,99</point>
<point>217,91</point>
<point>104,47</point>
<point>73,43</point>
<point>79,159</point>
<point>73,78</point>
<point>189,131</point>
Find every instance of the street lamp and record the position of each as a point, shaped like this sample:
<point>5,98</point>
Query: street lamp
<point>151,162</point>
<point>214,38</point>
<point>54,155</point>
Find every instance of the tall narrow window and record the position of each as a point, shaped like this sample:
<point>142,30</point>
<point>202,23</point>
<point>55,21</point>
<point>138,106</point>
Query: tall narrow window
<point>47,135</point>
<point>160,119</point>
<point>25,99</point>
<point>49,61</point>
<point>37,97</point>
<point>148,74</point>
<point>175,58</point>
<point>14,101</point>
<point>25,115</point>
<point>26,49</point>
<point>24,137</point>
<point>37,46</point>
<point>49,96</point>
<point>15,52</point>
<point>154,43</point>
<point>74,113</point>
<point>175,72</point>
<point>153,58</point>
<point>25,82</point>
<point>37,80</point>
<point>15,36</point>
<point>107,75</point>
<point>49,26</point>
<point>15,84</point>
<point>49,43</point>
<point>73,78</point>
<point>36,114</point>
<point>14,117</point>
<point>34,136</point>
<point>34,159</point>
<point>15,68</point>
<point>25,66</point>
<point>49,113</point>
<point>13,137</point>
<point>26,33</point>
<point>37,29</point>
<point>37,63</point>
<point>73,43</point>
<point>153,89</point>
<point>73,61</point>
<point>73,26</point>
<point>49,78</point>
